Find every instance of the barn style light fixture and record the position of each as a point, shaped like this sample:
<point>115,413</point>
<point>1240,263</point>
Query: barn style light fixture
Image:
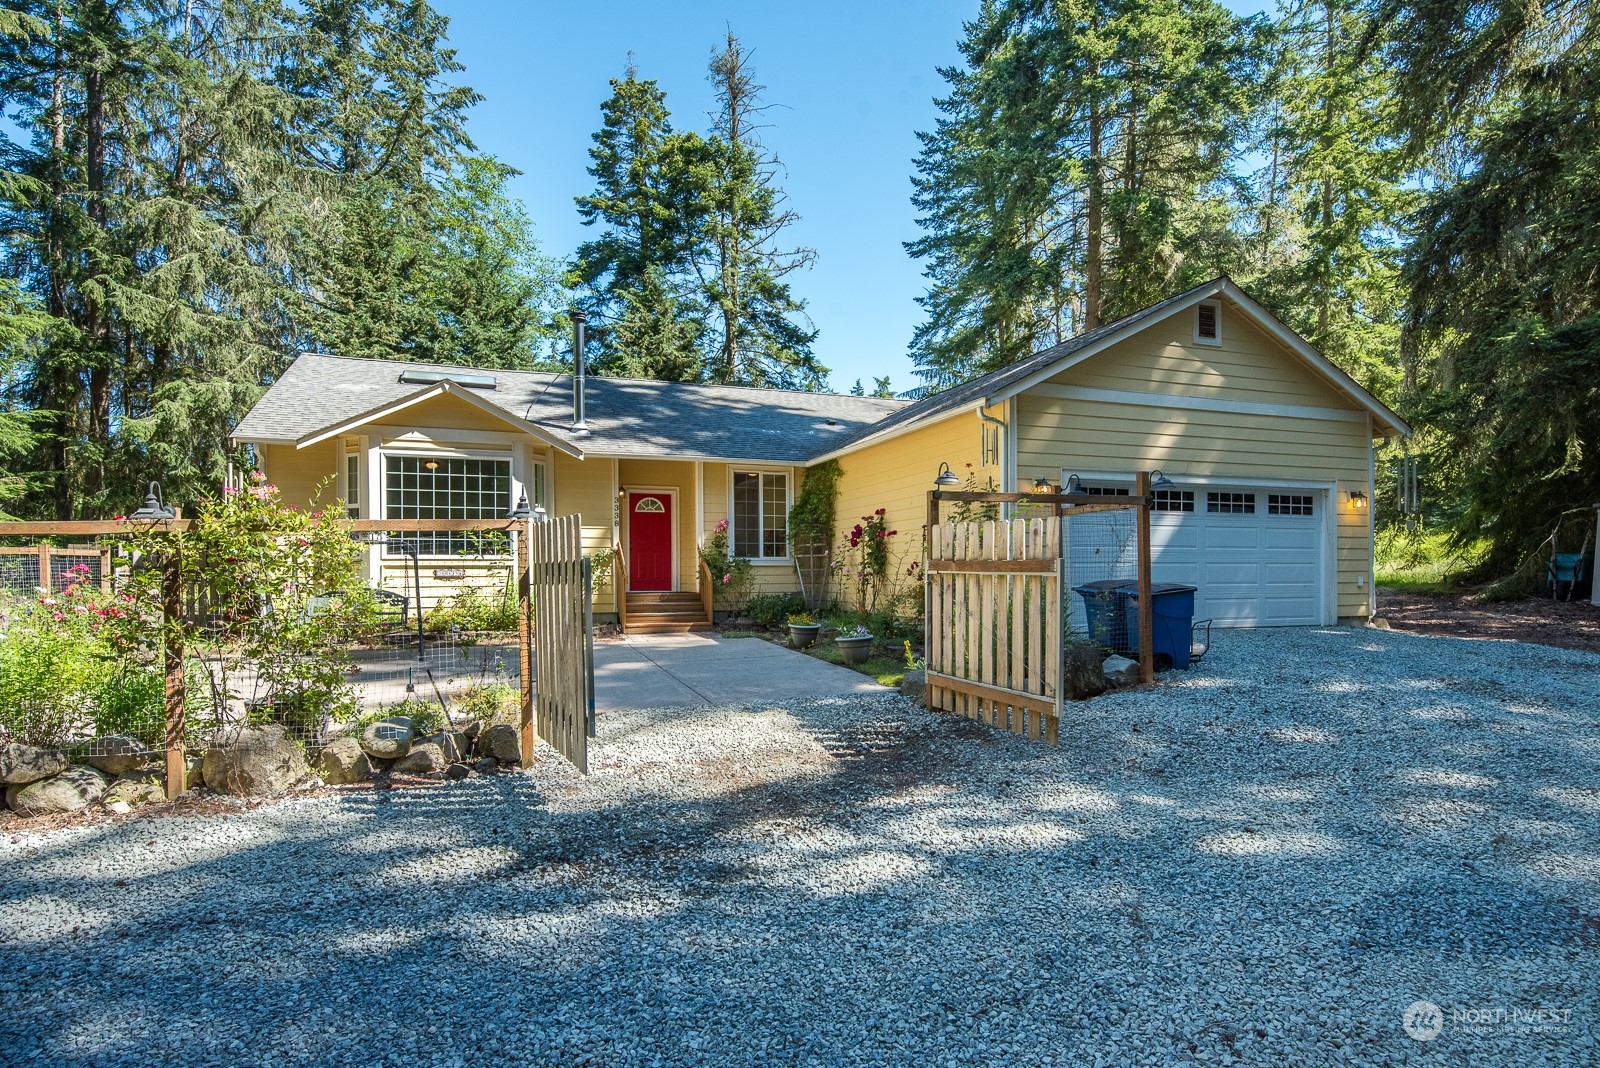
<point>154,508</point>
<point>1159,481</point>
<point>946,477</point>
<point>1073,487</point>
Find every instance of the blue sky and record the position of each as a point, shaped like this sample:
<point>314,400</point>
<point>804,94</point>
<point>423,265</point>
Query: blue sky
<point>851,84</point>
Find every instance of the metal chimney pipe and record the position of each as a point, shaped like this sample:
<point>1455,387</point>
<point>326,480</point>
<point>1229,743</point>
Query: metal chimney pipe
<point>578,320</point>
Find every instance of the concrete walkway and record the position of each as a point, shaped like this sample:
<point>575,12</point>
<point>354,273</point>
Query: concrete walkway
<point>681,670</point>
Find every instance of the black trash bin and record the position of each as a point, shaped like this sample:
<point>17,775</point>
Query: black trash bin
<point>1104,608</point>
<point>1171,620</point>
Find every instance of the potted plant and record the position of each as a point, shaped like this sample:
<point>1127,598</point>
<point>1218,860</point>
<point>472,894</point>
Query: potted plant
<point>803,630</point>
<point>855,643</point>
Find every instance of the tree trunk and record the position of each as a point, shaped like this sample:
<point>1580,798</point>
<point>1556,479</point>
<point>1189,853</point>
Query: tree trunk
<point>1094,223</point>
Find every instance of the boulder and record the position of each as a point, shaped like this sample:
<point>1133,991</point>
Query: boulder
<point>344,762</point>
<point>262,761</point>
<point>22,764</point>
<point>471,731</point>
<point>1085,676</point>
<point>116,754</point>
<point>425,758</point>
<point>457,772</point>
<point>1120,671</point>
<point>388,739</point>
<point>140,788</point>
<point>486,766</point>
<point>915,686</point>
<point>194,769</point>
<point>502,743</point>
<point>76,788</point>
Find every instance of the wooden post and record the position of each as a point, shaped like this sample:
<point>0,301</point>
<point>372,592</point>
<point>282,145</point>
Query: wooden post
<point>1147,653</point>
<point>44,566</point>
<point>172,635</point>
<point>105,571</point>
<point>933,517</point>
<point>525,639</point>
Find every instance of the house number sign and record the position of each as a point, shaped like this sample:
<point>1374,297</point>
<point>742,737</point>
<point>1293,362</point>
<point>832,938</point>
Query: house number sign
<point>449,572</point>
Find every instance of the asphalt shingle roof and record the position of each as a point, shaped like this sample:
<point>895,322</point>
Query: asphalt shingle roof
<point>625,416</point>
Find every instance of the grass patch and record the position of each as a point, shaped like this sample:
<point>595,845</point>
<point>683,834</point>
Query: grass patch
<point>740,634</point>
<point>887,670</point>
<point>1414,561</point>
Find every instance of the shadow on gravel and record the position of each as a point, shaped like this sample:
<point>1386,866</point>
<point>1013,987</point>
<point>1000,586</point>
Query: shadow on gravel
<point>927,891</point>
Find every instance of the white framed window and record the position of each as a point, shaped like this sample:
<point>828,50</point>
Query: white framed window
<point>446,486</point>
<point>1208,322</point>
<point>1106,491</point>
<point>352,484</point>
<point>760,515</point>
<point>1290,504</point>
<point>1172,500</point>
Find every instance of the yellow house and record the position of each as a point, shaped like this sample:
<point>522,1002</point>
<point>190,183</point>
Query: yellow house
<point>1269,447</point>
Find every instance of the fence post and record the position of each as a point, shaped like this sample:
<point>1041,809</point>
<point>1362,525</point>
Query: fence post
<point>44,566</point>
<point>525,640</point>
<point>1147,653</point>
<point>172,633</point>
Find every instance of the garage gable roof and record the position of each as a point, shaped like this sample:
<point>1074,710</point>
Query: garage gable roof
<point>1001,385</point>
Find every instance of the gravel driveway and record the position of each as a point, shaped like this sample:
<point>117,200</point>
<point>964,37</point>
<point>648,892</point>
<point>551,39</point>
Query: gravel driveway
<point>1264,861</point>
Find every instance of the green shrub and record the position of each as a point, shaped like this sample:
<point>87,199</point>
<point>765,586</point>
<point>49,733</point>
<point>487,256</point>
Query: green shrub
<point>472,609</point>
<point>131,700</point>
<point>732,577</point>
<point>771,609</point>
<point>426,716</point>
<point>493,702</point>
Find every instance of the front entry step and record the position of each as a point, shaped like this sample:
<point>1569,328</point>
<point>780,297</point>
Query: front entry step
<point>665,613</point>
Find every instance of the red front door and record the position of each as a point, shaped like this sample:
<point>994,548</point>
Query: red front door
<point>649,541</point>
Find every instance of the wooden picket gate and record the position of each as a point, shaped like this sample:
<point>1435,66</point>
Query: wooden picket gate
<point>556,584</point>
<point>994,613</point>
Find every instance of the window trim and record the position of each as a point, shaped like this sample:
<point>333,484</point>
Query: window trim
<point>787,559</point>
<point>350,490</point>
<point>1216,307</point>
<point>419,450</point>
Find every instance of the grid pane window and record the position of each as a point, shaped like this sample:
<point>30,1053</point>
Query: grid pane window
<point>1289,504</point>
<point>442,487</point>
<point>1106,491</point>
<point>1172,501</point>
<point>760,515</point>
<point>1231,503</point>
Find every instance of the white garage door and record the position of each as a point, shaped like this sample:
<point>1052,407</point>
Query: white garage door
<point>1255,554</point>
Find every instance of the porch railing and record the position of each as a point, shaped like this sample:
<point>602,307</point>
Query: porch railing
<point>707,591</point>
<point>619,575</point>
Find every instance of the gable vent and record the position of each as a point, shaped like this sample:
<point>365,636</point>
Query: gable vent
<point>1207,323</point>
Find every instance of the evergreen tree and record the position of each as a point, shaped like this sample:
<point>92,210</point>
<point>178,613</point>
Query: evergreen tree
<point>649,196</point>
<point>1503,307</point>
<point>1083,168</point>
<point>757,323</point>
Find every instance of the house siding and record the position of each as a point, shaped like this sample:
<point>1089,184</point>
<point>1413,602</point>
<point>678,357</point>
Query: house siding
<point>1055,433</point>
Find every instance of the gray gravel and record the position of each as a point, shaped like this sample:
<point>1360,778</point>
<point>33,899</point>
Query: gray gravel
<point>1263,861</point>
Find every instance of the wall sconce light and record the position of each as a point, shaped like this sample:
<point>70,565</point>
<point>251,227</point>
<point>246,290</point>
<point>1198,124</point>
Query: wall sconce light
<point>154,508</point>
<point>1158,481</point>
<point>1073,487</point>
<point>1042,485</point>
<point>946,478</point>
<point>1358,500</point>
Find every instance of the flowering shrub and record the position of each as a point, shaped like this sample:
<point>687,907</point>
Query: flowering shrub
<point>732,577</point>
<point>864,558</point>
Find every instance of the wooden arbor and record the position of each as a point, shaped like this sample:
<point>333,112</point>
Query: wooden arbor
<point>995,598</point>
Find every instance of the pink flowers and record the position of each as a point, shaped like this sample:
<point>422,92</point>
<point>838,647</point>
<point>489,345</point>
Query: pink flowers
<point>229,491</point>
<point>727,579</point>
<point>722,526</point>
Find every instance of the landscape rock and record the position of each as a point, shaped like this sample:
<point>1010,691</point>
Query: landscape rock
<point>502,743</point>
<point>345,762</point>
<point>73,790</point>
<point>1120,671</point>
<point>141,788</point>
<point>263,761</point>
<point>1084,675</point>
<point>388,739</point>
<point>194,770</point>
<point>471,731</point>
<point>116,754</point>
<point>457,772</point>
<point>915,686</point>
<point>425,758</point>
<point>486,766</point>
<point>22,764</point>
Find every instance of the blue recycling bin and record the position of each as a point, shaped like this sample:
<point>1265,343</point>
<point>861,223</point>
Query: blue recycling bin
<point>1104,607</point>
<point>1171,620</point>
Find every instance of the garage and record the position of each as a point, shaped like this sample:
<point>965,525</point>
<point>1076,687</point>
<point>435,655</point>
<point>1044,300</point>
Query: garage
<point>1256,555</point>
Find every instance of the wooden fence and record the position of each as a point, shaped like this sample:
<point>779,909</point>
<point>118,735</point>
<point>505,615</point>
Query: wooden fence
<point>994,623</point>
<point>557,582</point>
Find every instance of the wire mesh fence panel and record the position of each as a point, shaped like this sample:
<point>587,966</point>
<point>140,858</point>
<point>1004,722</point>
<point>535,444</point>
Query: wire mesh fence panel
<point>1102,571</point>
<point>814,566</point>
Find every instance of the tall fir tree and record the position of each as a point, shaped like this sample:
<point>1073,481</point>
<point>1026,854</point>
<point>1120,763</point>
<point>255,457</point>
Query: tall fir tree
<point>761,335</point>
<point>649,199</point>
